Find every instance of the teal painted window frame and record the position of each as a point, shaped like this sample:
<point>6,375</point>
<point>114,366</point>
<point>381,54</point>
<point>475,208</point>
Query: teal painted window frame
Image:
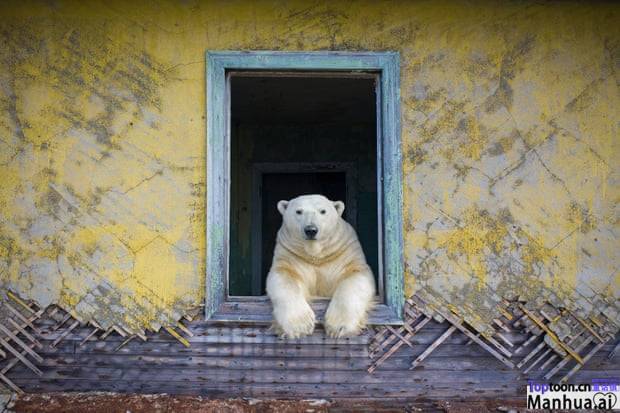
<point>220,307</point>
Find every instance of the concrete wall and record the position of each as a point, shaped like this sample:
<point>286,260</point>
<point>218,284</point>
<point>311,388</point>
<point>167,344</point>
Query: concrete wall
<point>509,130</point>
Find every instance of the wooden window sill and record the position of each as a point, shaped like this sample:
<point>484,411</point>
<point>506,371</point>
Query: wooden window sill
<point>257,310</point>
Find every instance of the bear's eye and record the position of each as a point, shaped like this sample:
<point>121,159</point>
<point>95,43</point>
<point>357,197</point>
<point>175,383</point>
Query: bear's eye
<point>298,212</point>
<point>323,212</point>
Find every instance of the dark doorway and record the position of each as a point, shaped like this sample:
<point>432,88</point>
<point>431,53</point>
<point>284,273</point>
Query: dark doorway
<point>293,135</point>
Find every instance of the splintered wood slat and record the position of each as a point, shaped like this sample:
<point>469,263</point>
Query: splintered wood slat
<point>555,356</point>
<point>11,333</point>
<point>532,353</point>
<point>390,338</point>
<point>549,361</point>
<point>64,319</point>
<point>543,354</point>
<point>20,302</point>
<point>411,331</point>
<point>432,347</point>
<point>13,362</point>
<point>501,325</point>
<point>96,324</point>
<point>21,358</point>
<point>21,330</point>
<point>399,336</point>
<point>376,344</point>
<point>184,329</point>
<point>527,342</point>
<point>12,385</point>
<point>504,339</point>
<point>398,344</point>
<point>176,335</point>
<point>65,333</point>
<point>382,340</point>
<point>458,323</point>
<point>19,336</point>
<point>106,333</point>
<point>551,334</point>
<point>499,346</point>
<point>120,331</point>
<point>8,367</point>
<point>127,340</point>
<point>23,345</point>
<point>411,310</point>
<point>89,336</point>
<point>566,359</point>
<point>25,320</point>
<point>587,327</point>
<point>518,321</point>
<point>506,314</point>
<point>577,367</point>
<point>548,316</point>
<point>538,360</point>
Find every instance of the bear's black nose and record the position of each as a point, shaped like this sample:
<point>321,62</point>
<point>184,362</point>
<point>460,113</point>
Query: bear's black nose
<point>311,231</point>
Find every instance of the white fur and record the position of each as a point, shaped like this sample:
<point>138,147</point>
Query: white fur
<point>332,265</point>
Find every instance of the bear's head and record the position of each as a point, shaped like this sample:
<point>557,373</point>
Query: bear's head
<point>311,217</point>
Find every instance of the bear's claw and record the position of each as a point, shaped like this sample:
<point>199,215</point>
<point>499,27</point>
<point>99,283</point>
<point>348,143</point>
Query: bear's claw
<point>298,324</point>
<point>342,331</point>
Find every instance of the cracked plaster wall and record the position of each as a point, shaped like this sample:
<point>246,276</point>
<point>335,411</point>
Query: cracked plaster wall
<point>509,129</point>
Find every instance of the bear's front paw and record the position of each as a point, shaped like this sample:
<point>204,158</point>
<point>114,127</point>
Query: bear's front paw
<point>342,324</point>
<point>294,322</point>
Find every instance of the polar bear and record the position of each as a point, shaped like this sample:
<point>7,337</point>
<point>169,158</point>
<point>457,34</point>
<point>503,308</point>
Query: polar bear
<point>317,253</point>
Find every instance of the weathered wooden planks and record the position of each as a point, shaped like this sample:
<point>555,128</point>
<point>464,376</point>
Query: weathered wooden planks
<point>265,366</point>
<point>226,360</point>
<point>277,390</point>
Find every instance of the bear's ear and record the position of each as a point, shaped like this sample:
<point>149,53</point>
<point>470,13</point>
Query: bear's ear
<point>339,205</point>
<point>282,205</point>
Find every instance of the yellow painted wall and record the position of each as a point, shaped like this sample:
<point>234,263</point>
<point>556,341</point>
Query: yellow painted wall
<point>509,129</point>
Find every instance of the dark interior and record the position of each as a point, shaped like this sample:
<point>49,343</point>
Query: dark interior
<point>290,135</point>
